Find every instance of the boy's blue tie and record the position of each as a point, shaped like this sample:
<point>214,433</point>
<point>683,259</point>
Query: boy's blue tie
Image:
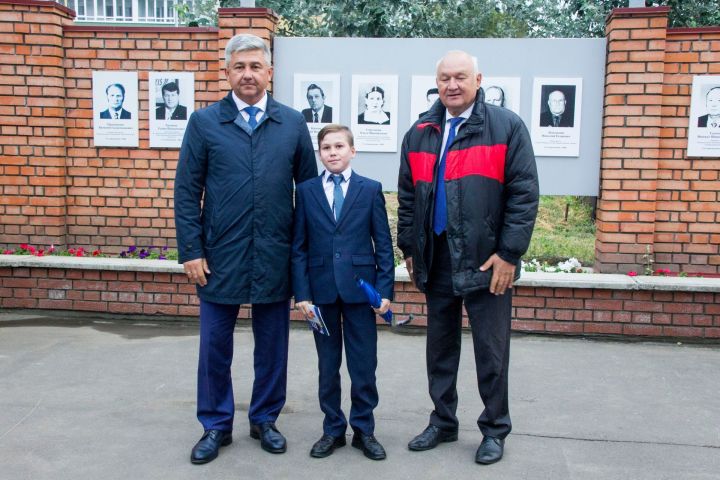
<point>338,197</point>
<point>440,216</point>
<point>252,112</point>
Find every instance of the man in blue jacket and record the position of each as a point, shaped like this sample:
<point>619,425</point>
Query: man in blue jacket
<point>233,216</point>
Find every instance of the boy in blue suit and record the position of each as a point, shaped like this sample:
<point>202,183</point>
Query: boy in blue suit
<point>341,231</point>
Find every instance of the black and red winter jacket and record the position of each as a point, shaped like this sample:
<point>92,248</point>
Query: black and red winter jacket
<point>492,192</point>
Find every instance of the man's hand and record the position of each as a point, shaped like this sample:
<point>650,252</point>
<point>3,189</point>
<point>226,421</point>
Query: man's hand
<point>306,308</point>
<point>503,273</point>
<point>384,307</point>
<point>409,266</point>
<point>196,271</point>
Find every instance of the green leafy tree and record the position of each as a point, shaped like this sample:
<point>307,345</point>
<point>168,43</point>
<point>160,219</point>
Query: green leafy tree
<point>457,18</point>
<point>586,18</point>
<point>400,18</point>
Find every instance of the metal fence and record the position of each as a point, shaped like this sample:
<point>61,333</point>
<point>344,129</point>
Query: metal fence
<point>126,11</point>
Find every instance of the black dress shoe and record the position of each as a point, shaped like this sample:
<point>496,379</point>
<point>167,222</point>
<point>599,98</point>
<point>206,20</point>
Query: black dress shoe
<point>271,440</point>
<point>369,445</point>
<point>326,446</point>
<point>206,449</point>
<point>431,437</point>
<point>490,450</point>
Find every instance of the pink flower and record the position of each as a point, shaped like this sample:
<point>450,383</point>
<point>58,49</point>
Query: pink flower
<point>31,249</point>
<point>24,246</point>
<point>632,274</point>
<point>52,249</point>
<point>71,251</point>
<point>8,252</point>
<point>96,252</point>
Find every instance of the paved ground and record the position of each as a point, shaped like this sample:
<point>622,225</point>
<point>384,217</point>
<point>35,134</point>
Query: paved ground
<point>84,398</point>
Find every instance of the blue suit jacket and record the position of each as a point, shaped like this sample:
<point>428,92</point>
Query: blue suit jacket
<point>234,199</point>
<point>328,254</point>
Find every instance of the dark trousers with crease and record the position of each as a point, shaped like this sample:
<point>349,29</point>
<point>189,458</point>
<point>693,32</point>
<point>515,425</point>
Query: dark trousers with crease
<point>215,400</point>
<point>489,317</point>
<point>355,324</point>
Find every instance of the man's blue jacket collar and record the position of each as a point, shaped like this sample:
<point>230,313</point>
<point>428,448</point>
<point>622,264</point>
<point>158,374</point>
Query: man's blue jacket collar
<point>229,110</point>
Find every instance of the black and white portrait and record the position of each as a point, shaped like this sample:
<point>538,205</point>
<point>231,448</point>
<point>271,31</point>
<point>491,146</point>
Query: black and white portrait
<point>502,92</point>
<point>372,108</point>
<point>374,112</point>
<point>172,99</point>
<point>170,108</point>
<point>423,94</point>
<point>556,116</point>
<point>115,94</point>
<point>557,106</point>
<point>115,108</point>
<point>704,117</point>
<point>317,97</point>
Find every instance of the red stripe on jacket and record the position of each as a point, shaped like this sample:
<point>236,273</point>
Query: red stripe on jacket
<point>485,160</point>
<point>421,166</point>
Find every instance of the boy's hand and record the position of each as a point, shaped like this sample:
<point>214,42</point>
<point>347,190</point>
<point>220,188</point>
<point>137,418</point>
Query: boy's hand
<point>384,307</point>
<point>306,308</point>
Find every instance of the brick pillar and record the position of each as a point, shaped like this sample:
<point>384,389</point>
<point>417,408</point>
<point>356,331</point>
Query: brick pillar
<point>32,122</point>
<point>632,122</point>
<point>231,21</point>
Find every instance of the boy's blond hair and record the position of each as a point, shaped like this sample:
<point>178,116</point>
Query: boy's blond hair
<point>334,128</point>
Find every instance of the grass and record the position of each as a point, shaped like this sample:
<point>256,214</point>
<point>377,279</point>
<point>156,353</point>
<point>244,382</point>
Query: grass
<point>555,238</point>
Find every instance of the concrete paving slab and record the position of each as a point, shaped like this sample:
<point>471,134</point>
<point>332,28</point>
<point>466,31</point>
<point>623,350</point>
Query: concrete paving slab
<point>84,398</point>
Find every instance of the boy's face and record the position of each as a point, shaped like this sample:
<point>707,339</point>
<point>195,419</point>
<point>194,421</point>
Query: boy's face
<point>336,152</point>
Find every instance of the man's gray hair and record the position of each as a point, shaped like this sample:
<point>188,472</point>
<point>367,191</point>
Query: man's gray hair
<point>244,42</point>
<point>473,58</point>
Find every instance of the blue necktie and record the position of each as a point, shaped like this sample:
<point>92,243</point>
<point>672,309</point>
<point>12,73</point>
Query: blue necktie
<point>338,197</point>
<point>440,217</point>
<point>252,112</point>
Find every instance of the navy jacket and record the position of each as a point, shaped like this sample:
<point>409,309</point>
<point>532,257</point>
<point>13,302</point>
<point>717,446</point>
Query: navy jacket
<point>243,226</point>
<point>327,254</point>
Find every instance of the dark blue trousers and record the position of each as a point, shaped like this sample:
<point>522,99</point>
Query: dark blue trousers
<point>358,330</point>
<point>215,401</point>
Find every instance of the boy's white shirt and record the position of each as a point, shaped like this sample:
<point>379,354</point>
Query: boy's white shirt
<point>329,185</point>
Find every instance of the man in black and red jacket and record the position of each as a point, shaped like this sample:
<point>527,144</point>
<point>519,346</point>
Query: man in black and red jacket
<point>462,237</point>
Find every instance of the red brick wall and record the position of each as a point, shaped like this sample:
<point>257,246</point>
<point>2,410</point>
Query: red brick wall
<point>32,126</point>
<point>539,310</point>
<point>687,224</point>
<point>55,185</point>
<point>652,197</point>
<point>123,196</point>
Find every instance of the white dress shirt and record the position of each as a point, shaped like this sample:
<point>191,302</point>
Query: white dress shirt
<point>262,105</point>
<point>329,186</point>
<point>446,131</point>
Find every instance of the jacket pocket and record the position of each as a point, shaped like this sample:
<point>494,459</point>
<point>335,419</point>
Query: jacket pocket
<point>315,261</point>
<point>363,260</point>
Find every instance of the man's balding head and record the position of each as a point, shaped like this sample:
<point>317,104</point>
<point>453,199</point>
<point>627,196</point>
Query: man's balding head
<point>458,80</point>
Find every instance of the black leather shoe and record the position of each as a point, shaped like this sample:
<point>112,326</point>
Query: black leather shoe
<point>326,446</point>
<point>431,437</point>
<point>271,440</point>
<point>369,445</point>
<point>490,450</point>
<point>207,448</point>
